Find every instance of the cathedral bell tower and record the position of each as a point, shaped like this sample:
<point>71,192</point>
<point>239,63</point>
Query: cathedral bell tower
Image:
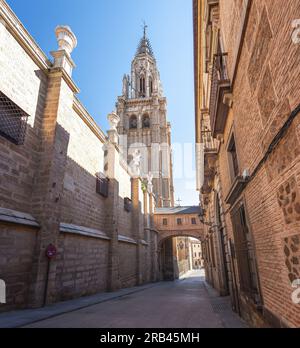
<point>143,126</point>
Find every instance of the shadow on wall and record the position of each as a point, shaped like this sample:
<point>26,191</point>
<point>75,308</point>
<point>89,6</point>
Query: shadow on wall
<point>174,264</point>
<point>83,264</point>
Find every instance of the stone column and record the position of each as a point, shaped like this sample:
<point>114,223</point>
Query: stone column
<point>153,242</point>
<point>48,188</point>
<point>112,223</point>
<point>137,222</point>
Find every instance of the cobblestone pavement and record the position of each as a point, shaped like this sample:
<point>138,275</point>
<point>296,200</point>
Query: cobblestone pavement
<point>186,303</point>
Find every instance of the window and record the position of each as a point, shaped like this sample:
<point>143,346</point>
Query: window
<point>165,222</point>
<point>127,204</point>
<point>13,121</point>
<point>244,252</point>
<point>234,166</point>
<point>142,87</point>
<point>194,222</point>
<point>133,122</point>
<point>179,222</point>
<point>151,85</point>
<point>102,185</point>
<point>146,121</point>
<point>212,249</point>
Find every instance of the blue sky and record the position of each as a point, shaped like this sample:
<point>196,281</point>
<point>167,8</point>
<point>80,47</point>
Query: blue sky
<point>108,32</point>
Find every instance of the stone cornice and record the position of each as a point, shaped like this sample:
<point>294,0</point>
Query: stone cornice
<point>85,116</point>
<point>17,217</point>
<point>70,82</point>
<point>139,101</point>
<point>124,239</point>
<point>83,231</point>
<point>16,28</point>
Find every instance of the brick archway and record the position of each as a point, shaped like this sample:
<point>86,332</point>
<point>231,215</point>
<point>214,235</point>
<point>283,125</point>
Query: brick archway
<point>164,235</point>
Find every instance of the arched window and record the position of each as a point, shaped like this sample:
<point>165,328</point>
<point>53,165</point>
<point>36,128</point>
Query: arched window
<point>146,121</point>
<point>133,122</point>
<point>151,85</point>
<point>142,86</point>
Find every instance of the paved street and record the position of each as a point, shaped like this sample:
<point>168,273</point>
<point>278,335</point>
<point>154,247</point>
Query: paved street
<point>186,303</point>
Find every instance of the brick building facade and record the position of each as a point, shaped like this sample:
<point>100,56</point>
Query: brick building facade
<point>175,227</point>
<point>247,131</point>
<point>63,182</point>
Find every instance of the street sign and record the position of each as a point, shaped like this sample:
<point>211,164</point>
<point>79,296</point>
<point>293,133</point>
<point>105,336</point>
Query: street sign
<point>51,251</point>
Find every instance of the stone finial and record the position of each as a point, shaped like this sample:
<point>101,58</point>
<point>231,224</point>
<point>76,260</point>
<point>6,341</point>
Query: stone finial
<point>150,182</point>
<point>66,38</point>
<point>136,163</point>
<point>113,120</point>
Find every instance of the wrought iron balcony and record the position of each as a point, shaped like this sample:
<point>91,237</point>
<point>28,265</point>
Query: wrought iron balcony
<point>220,87</point>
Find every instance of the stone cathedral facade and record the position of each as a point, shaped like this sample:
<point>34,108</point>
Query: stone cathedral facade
<point>144,130</point>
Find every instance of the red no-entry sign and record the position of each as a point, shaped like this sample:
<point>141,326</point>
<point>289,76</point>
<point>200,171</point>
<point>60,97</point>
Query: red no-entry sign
<point>51,251</point>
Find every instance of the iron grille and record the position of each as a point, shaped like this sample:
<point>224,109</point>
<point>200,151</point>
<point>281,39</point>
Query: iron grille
<point>13,121</point>
<point>244,253</point>
<point>102,185</point>
<point>128,204</point>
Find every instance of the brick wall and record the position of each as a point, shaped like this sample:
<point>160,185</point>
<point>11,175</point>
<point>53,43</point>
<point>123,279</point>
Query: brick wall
<point>264,94</point>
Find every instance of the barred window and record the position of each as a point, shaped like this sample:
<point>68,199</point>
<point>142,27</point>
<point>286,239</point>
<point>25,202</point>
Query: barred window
<point>244,252</point>
<point>146,121</point>
<point>234,165</point>
<point>133,122</point>
<point>128,205</point>
<point>13,121</point>
<point>102,185</point>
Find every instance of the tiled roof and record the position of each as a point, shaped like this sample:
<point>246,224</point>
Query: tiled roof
<point>178,210</point>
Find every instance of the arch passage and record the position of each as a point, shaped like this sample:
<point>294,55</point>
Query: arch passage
<point>173,224</point>
<point>164,235</point>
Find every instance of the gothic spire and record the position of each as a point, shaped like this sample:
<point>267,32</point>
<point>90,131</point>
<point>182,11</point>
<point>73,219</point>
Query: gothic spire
<point>144,46</point>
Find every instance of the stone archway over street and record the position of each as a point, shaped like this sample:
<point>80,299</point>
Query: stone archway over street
<point>175,227</point>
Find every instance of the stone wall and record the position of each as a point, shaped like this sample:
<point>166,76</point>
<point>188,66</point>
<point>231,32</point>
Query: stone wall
<point>16,259</point>
<point>19,164</point>
<point>81,267</point>
<point>48,189</point>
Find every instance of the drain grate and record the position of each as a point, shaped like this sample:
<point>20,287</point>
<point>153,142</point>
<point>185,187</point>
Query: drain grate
<point>220,306</point>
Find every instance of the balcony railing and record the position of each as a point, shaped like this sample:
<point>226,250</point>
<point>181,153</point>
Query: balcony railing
<point>220,86</point>
<point>210,144</point>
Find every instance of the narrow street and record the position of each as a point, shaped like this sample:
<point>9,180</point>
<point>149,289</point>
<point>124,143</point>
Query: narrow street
<point>186,303</point>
